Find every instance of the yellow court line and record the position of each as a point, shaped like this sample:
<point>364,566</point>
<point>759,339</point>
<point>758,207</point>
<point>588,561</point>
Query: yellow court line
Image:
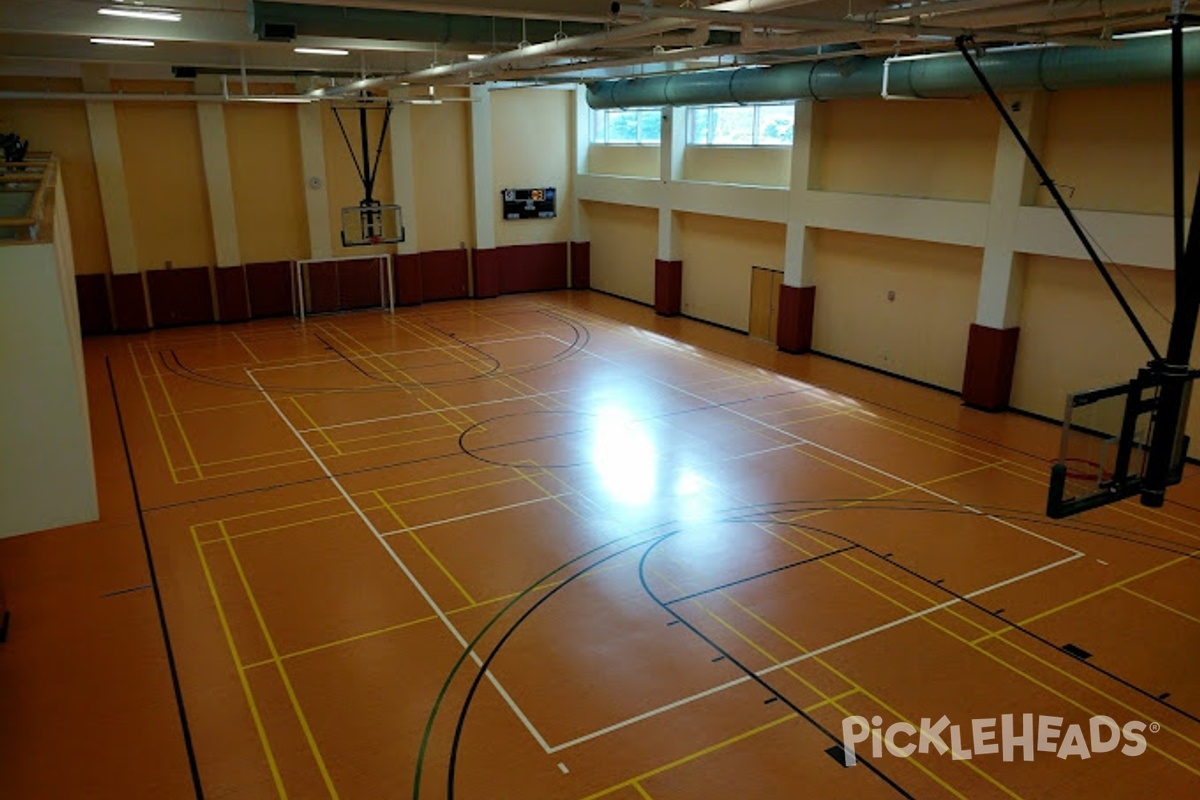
<point>315,426</point>
<point>712,748</point>
<point>175,414</point>
<point>974,645</point>
<point>804,450</point>
<point>368,353</point>
<point>247,471</point>
<point>1109,587</point>
<point>1079,704</point>
<point>162,442</point>
<point>241,671</point>
<point>348,640</point>
<point>1161,604</point>
<point>429,553</point>
<point>642,792</point>
<point>857,686</point>
<point>394,432</point>
<point>283,675</point>
<point>219,407</point>
<point>266,454</point>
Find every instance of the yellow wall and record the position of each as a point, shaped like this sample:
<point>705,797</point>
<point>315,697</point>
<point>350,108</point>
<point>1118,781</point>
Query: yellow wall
<point>635,161</point>
<point>756,166</point>
<point>1110,149</point>
<point>531,131</point>
<point>718,254</point>
<point>939,148</point>
<point>344,186</point>
<point>268,187</point>
<point>164,176</point>
<point>624,243</point>
<point>1074,336</point>
<point>61,127</point>
<point>923,332</point>
<point>442,175</point>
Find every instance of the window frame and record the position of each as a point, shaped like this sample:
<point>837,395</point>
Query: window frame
<point>599,127</point>
<point>755,125</point>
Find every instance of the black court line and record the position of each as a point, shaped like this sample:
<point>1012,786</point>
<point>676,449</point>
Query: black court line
<point>162,619</point>
<point>753,676</point>
<point>119,592</point>
<point>577,345</point>
<point>759,512</point>
<point>755,577</point>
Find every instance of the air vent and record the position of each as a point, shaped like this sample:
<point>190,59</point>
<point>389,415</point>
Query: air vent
<point>277,31</point>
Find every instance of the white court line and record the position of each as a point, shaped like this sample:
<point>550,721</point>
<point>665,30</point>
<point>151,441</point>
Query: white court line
<point>407,572</point>
<point>803,657</point>
<point>472,515</point>
<point>439,410</point>
<point>463,345</point>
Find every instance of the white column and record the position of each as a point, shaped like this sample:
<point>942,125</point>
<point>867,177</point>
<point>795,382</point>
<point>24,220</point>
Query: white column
<point>1013,184</point>
<point>218,176</point>
<point>797,254</point>
<point>481,162</point>
<point>403,178</point>
<point>110,172</point>
<point>670,170</point>
<point>582,141</point>
<point>316,193</point>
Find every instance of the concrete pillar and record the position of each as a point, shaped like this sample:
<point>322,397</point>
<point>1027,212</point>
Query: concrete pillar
<point>485,266</point>
<point>992,339</point>
<point>797,294</point>
<point>316,192</point>
<point>581,252</point>
<point>218,176</point>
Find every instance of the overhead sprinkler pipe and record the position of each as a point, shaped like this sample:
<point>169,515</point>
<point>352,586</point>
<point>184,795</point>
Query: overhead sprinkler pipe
<point>495,64</point>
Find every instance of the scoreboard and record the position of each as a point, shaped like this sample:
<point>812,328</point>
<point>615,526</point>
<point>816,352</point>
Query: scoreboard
<point>529,203</point>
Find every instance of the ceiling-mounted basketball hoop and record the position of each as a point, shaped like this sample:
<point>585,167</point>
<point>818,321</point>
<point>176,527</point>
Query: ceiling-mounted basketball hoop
<point>370,222</point>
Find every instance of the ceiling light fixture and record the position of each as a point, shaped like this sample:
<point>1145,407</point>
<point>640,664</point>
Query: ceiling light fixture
<point>320,51</point>
<point>124,42</point>
<point>476,57</point>
<point>157,14</point>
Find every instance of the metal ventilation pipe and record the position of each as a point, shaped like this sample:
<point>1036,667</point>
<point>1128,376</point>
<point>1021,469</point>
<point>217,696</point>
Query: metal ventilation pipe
<point>1141,60</point>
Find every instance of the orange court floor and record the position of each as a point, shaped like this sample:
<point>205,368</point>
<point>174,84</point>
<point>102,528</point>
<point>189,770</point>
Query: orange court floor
<point>554,546</point>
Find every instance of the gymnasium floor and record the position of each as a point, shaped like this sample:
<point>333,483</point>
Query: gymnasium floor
<point>678,558</point>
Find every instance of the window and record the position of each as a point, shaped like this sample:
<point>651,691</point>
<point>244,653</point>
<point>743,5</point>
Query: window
<point>741,125</point>
<point>617,126</point>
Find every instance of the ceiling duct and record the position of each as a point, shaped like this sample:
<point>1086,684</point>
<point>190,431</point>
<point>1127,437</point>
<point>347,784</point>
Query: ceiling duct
<point>480,33</point>
<point>1140,60</point>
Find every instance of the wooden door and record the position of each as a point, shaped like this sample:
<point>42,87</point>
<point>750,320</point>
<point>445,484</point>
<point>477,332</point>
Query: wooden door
<point>764,302</point>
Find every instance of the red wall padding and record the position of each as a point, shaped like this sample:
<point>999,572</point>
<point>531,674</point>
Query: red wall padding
<point>988,374</point>
<point>359,284</point>
<point>322,286</point>
<point>129,302</point>
<point>91,291</point>
<point>794,329</point>
<point>581,265</point>
<point>532,267</point>
<point>406,277</point>
<point>270,287</point>
<point>487,272</point>
<point>668,287</point>
<point>444,274</point>
<point>233,302</point>
<point>180,296</point>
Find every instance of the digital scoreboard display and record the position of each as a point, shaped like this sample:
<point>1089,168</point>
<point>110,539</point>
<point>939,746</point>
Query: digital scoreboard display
<point>529,203</point>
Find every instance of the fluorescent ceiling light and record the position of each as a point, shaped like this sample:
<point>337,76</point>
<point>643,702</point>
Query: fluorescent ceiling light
<point>425,101</point>
<point>158,14</point>
<point>124,42</point>
<point>476,57</point>
<point>321,51</point>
